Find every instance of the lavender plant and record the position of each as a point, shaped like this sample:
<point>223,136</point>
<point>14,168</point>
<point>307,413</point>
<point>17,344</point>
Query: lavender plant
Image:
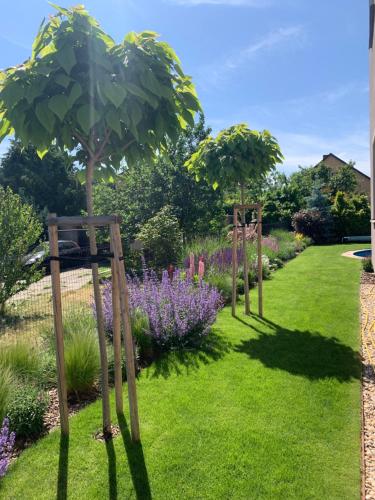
<point>179,312</point>
<point>6,446</point>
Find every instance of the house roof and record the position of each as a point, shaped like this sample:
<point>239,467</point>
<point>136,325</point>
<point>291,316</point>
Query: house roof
<point>343,162</point>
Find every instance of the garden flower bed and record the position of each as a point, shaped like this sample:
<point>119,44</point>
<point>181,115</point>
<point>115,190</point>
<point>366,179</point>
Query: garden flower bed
<point>271,410</point>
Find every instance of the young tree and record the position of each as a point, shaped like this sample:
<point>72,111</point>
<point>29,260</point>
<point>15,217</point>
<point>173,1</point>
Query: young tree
<point>236,157</point>
<point>19,229</point>
<point>106,101</point>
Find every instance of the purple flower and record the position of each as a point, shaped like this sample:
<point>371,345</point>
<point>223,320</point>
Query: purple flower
<point>179,312</point>
<point>6,446</point>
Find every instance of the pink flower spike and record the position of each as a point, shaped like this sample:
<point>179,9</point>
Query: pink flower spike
<point>201,268</point>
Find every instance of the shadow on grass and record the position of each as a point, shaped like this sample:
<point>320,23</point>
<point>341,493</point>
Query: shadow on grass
<point>301,352</point>
<point>136,460</point>
<point>62,478</point>
<point>16,320</point>
<point>184,361</point>
<point>112,469</point>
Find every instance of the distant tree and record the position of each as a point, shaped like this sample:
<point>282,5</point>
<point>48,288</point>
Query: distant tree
<point>162,239</point>
<point>318,200</point>
<point>50,184</point>
<point>280,199</point>
<point>19,230</point>
<point>344,180</point>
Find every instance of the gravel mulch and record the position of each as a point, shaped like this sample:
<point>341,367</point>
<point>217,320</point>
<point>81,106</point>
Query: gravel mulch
<point>368,384</point>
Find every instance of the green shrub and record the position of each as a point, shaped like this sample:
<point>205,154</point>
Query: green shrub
<point>367,265</point>
<point>351,215</point>
<point>22,359</point>
<point>240,286</point>
<point>282,235</point>
<point>161,237</point>
<point>315,224</point>
<point>286,252</point>
<point>26,410</point>
<point>5,387</point>
<point>19,229</point>
<point>301,241</point>
<point>252,274</point>
<point>223,282</point>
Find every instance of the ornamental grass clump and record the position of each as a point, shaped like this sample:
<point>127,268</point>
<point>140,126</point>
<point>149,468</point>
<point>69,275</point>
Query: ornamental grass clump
<point>7,439</point>
<point>180,313</point>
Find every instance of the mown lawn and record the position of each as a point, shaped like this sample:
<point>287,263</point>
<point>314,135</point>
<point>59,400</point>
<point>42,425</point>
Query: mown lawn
<point>271,410</point>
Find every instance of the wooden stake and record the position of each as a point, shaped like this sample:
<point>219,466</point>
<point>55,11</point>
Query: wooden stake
<point>260,261</point>
<point>234,261</point>
<point>116,334</point>
<point>107,430</point>
<point>58,324</point>
<point>245,264</point>
<point>125,315</point>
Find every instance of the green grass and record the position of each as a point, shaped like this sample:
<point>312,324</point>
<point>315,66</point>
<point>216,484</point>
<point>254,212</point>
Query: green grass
<point>271,410</point>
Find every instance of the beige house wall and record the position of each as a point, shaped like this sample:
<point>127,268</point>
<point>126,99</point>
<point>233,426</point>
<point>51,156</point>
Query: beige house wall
<point>363,182</point>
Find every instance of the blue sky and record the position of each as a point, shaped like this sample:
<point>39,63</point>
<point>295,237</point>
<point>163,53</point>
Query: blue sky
<point>298,67</point>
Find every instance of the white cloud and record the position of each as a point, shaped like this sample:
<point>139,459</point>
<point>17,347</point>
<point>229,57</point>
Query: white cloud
<point>229,3</point>
<point>308,149</point>
<point>215,73</point>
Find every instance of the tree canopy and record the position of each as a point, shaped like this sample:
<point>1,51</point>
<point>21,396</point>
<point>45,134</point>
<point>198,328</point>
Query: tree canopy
<point>106,101</point>
<point>236,156</point>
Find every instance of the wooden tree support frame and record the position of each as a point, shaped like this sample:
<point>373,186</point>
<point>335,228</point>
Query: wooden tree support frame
<point>121,314</point>
<point>236,210</point>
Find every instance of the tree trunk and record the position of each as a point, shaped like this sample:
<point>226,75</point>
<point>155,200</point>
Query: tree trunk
<point>245,264</point>
<point>107,431</point>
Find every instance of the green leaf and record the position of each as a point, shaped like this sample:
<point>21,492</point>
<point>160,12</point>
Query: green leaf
<point>59,105</point>
<point>188,117</point>
<point>190,101</point>
<point>75,94</point>
<point>137,91</point>
<point>135,112</point>
<point>45,116</point>
<point>35,89</point>
<point>87,116</point>
<point>12,93</point>
<point>66,57</point>
<point>42,153</point>
<point>114,93</point>
<point>4,128</point>
<point>151,83</point>
<point>63,11</point>
<point>63,80</point>
<point>113,121</point>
